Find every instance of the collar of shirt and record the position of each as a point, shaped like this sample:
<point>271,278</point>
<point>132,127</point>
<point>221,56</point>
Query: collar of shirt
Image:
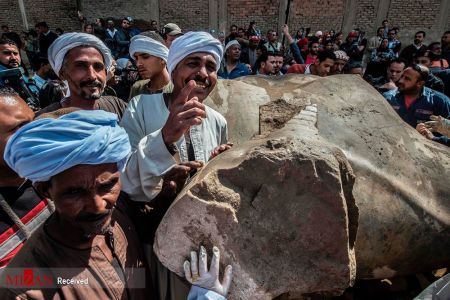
<point>308,70</point>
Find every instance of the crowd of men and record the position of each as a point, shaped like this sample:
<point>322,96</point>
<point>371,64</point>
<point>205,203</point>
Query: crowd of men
<point>96,144</point>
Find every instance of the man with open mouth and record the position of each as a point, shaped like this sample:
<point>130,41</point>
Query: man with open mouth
<point>173,129</point>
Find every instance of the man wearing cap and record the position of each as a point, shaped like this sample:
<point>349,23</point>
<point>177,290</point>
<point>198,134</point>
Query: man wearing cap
<point>89,246</point>
<point>150,57</point>
<point>173,128</point>
<point>170,32</point>
<point>339,63</point>
<point>414,102</point>
<point>231,68</point>
<point>353,48</point>
<point>82,60</point>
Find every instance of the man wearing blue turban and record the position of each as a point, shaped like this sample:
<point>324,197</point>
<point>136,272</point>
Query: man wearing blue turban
<point>89,246</point>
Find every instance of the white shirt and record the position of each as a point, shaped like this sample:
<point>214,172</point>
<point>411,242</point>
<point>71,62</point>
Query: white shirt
<point>149,160</point>
<point>308,70</point>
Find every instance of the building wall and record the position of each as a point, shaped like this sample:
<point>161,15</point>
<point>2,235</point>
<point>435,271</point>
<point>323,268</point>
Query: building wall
<point>317,15</point>
<point>264,13</point>
<point>189,15</point>
<point>432,16</point>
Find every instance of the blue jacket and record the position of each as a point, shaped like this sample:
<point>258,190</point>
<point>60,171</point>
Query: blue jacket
<point>429,103</point>
<point>238,71</point>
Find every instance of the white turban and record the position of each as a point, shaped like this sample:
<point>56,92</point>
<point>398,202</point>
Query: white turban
<point>191,42</point>
<point>46,147</point>
<point>145,44</point>
<point>231,43</point>
<point>67,41</point>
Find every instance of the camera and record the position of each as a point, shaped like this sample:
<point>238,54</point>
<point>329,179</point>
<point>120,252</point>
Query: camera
<point>28,91</point>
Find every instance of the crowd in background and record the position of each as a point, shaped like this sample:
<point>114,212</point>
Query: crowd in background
<point>153,83</point>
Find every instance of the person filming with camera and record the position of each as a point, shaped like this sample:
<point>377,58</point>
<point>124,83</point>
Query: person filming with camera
<point>11,74</point>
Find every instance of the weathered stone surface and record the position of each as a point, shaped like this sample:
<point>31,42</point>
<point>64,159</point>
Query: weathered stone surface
<point>282,207</point>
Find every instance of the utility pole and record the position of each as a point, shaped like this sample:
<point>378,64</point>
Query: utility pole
<point>286,19</point>
<point>23,14</point>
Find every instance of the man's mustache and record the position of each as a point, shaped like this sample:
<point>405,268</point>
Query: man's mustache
<point>91,83</point>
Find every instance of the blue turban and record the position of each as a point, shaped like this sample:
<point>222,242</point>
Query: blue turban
<point>46,147</point>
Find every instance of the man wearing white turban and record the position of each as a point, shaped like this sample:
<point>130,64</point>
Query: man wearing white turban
<point>150,57</point>
<point>168,129</point>
<point>89,245</point>
<point>82,61</point>
<point>175,132</point>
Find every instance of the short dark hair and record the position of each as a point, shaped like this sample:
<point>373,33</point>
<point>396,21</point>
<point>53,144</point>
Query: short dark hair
<point>422,53</point>
<point>275,53</point>
<point>380,28</point>
<point>233,25</point>
<point>384,21</point>
<point>421,32</point>
<point>430,46</point>
<point>398,60</point>
<point>5,26</point>
<point>447,32</point>
<point>423,71</point>
<point>7,42</point>
<point>327,54</point>
<point>38,62</point>
<point>392,29</point>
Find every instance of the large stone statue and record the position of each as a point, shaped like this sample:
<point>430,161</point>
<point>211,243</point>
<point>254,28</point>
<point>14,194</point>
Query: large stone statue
<point>325,185</point>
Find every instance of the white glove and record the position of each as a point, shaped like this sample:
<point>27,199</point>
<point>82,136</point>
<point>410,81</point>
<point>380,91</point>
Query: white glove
<point>198,274</point>
<point>439,124</point>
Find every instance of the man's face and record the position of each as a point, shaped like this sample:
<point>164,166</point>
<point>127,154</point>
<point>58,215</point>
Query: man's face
<point>423,60</point>
<point>394,72</point>
<point>9,56</point>
<point>85,72</point>
<point>351,39</point>
<point>148,65</point>
<point>385,24</point>
<point>445,40</point>
<point>199,66</point>
<point>338,66</point>
<point>268,67</point>
<point>110,24</point>
<point>391,35</point>
<point>233,30</point>
<point>85,196</point>
<point>278,63</point>
<point>329,46</point>
<point>409,81</point>
<point>436,49</point>
<point>418,38</point>
<point>169,40</point>
<point>154,26</point>
<point>125,24</point>
<point>89,29</point>
<point>234,52</point>
<point>380,32</point>
<point>273,37</point>
<point>241,33</point>
<point>14,113</point>
<point>5,29</point>
<point>324,67</point>
<point>314,50</point>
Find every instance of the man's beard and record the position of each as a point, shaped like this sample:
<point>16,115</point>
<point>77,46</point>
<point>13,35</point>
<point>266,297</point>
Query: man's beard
<point>92,83</point>
<point>416,42</point>
<point>95,227</point>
